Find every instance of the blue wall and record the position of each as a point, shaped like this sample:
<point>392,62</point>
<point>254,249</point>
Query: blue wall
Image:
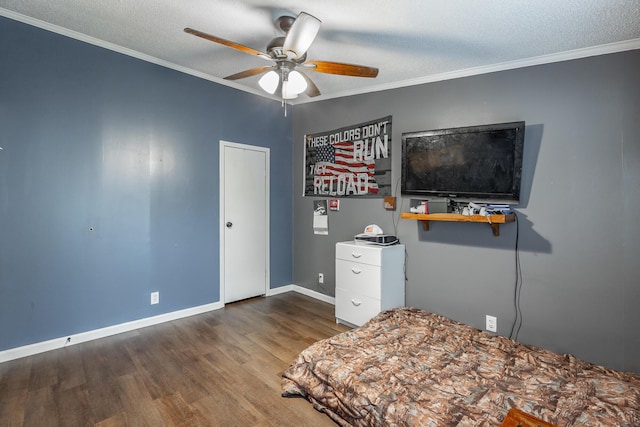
<point>95,139</point>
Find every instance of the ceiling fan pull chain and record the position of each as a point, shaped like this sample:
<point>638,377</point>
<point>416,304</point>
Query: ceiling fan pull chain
<point>282,79</point>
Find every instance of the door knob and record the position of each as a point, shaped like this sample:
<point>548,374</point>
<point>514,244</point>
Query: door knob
<point>229,224</point>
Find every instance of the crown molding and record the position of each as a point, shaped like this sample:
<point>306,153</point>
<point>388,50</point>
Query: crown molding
<point>123,50</point>
<point>570,55</point>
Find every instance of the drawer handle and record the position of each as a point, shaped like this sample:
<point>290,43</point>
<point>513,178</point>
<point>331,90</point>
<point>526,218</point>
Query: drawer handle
<point>355,302</point>
<point>356,271</point>
<point>355,255</point>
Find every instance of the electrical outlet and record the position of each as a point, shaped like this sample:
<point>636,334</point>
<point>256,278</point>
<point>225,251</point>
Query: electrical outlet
<point>492,324</point>
<point>320,278</point>
<point>155,297</point>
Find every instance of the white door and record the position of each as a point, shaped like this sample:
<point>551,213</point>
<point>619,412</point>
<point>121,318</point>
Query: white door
<point>244,207</point>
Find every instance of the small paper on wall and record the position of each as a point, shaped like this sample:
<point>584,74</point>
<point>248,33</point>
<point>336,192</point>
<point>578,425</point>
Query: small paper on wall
<point>320,217</point>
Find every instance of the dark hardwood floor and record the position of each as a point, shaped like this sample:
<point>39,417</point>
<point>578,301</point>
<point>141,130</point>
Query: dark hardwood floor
<point>220,368</point>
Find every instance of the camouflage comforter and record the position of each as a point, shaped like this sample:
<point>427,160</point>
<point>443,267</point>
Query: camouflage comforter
<point>408,367</point>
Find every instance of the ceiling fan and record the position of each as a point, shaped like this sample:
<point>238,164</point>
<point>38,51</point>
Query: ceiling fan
<point>289,54</point>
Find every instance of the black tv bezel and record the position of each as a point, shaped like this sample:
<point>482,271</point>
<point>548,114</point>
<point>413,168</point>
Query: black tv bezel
<point>512,198</point>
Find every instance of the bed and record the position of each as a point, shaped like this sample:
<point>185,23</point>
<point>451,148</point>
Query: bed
<point>409,367</point>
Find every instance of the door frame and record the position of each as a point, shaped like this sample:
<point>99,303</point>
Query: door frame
<point>265,150</point>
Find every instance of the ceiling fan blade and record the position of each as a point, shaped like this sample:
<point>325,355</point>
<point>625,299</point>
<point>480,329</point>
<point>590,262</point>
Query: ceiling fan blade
<point>312,89</point>
<point>341,68</point>
<point>249,73</point>
<point>301,34</point>
<point>234,45</point>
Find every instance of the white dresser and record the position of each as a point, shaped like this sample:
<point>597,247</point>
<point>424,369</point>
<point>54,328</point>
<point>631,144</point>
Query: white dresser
<point>369,279</point>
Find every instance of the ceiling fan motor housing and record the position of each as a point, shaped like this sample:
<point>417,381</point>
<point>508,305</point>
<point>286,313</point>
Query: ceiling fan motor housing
<point>274,48</point>
<point>276,51</point>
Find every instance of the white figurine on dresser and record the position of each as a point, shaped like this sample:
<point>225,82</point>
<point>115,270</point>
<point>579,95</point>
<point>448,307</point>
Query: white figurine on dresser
<point>369,279</point>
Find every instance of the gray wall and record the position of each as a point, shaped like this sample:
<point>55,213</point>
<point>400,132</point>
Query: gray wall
<point>93,138</point>
<point>578,227</point>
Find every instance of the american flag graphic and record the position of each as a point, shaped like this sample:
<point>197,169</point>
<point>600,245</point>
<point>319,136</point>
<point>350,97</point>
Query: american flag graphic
<point>352,161</point>
<point>339,160</point>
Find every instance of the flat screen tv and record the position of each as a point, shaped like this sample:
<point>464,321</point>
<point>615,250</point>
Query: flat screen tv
<point>474,163</point>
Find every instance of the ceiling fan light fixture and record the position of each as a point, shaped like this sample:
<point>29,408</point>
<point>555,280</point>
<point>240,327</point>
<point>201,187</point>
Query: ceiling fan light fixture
<point>287,92</point>
<point>269,82</point>
<point>296,82</point>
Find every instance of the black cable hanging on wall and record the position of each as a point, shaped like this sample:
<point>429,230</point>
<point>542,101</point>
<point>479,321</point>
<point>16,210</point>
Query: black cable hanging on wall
<point>517,289</point>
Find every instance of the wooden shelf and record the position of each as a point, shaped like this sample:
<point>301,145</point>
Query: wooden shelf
<point>493,220</point>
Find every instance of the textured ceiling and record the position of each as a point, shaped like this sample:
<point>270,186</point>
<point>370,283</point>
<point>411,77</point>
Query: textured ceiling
<point>410,41</point>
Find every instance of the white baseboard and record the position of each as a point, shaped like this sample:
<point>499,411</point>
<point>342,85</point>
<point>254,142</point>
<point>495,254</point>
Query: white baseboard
<point>281,290</point>
<point>302,290</point>
<point>41,347</point>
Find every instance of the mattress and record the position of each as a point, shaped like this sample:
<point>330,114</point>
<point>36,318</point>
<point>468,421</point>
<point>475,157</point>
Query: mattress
<point>409,367</point>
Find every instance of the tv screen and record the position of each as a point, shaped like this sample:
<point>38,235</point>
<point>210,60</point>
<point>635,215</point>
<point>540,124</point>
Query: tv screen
<point>475,163</point>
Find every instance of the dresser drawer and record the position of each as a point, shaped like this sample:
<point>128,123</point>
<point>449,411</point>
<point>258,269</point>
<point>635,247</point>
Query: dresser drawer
<point>359,253</point>
<point>355,309</point>
<point>362,279</point>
